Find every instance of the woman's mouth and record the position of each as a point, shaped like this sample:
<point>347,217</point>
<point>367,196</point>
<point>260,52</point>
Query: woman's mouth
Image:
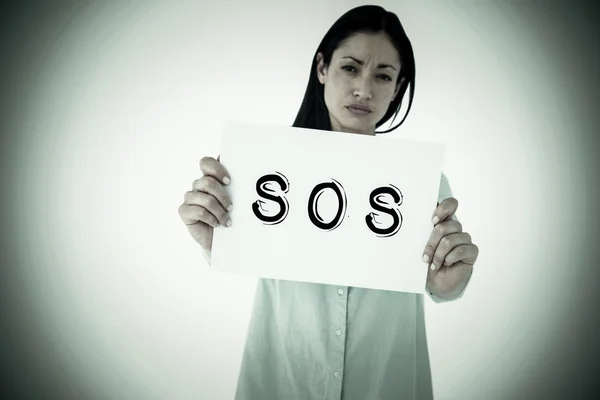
<point>358,110</point>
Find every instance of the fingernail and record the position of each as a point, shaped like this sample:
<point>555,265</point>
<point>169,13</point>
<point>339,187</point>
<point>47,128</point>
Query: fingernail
<point>435,220</point>
<point>433,267</point>
<point>230,207</point>
<point>229,222</point>
<point>226,180</point>
<point>425,258</point>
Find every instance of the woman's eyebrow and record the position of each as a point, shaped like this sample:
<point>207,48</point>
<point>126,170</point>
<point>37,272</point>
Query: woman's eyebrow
<point>362,62</point>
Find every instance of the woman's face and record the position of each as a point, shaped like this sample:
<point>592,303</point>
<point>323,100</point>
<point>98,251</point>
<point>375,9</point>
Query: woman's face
<point>363,73</point>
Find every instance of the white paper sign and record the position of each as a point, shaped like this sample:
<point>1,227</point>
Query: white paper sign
<point>328,207</point>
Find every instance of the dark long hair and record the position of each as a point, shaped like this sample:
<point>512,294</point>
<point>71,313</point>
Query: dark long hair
<point>313,113</point>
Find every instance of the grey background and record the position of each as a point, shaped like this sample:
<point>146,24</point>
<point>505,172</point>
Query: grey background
<point>38,364</point>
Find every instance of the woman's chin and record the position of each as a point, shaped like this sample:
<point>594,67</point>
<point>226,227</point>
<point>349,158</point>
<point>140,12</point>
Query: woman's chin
<point>358,127</point>
<point>352,124</point>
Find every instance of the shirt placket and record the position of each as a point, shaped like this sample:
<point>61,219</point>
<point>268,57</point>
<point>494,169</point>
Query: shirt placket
<point>337,330</point>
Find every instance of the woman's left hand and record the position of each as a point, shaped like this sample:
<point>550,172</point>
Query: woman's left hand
<point>449,253</point>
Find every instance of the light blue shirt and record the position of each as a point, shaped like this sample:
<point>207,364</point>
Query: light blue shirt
<point>310,341</point>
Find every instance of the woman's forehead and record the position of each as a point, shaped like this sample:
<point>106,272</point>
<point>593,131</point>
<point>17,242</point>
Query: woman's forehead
<point>368,46</point>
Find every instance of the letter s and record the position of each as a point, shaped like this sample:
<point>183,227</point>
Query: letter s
<point>264,210</point>
<point>387,207</point>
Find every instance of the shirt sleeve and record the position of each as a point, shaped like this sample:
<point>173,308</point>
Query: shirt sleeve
<point>206,255</point>
<point>445,192</point>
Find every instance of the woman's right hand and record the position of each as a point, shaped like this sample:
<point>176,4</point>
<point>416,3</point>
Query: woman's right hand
<point>206,206</point>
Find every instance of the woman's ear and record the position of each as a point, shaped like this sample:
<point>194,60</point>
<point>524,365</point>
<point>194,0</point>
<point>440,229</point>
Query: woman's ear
<point>321,68</point>
<point>398,87</point>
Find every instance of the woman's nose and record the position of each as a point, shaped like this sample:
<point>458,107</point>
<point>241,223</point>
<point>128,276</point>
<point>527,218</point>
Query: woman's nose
<point>362,88</point>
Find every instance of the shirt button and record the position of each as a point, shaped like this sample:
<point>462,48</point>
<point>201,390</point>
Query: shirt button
<point>340,291</point>
<point>338,332</point>
<point>336,374</point>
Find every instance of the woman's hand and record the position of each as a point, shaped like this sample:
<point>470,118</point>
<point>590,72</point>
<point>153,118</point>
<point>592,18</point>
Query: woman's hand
<point>449,253</point>
<point>206,206</point>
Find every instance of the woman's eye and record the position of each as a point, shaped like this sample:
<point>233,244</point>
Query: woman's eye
<point>350,68</point>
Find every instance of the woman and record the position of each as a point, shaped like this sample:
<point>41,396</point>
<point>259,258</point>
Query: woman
<point>312,341</point>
